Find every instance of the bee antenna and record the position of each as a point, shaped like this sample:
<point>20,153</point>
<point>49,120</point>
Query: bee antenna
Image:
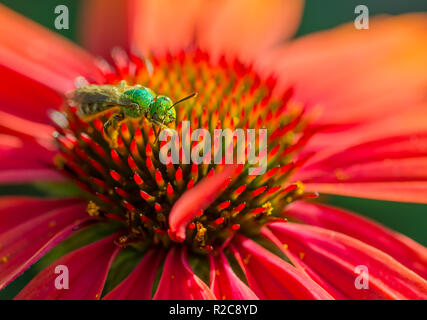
<point>183,99</point>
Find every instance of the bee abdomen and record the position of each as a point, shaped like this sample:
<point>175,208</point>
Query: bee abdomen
<point>87,109</point>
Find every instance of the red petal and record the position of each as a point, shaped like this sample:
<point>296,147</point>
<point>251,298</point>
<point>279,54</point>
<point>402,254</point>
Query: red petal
<point>29,227</point>
<point>406,251</point>
<point>247,27</point>
<point>351,76</point>
<point>151,32</point>
<point>34,104</point>
<point>88,268</point>
<point>332,258</point>
<point>408,121</point>
<point>40,54</point>
<point>25,161</point>
<point>271,277</point>
<point>106,24</point>
<point>25,129</point>
<point>391,169</point>
<point>138,285</point>
<point>194,200</point>
<point>225,283</point>
<point>178,281</point>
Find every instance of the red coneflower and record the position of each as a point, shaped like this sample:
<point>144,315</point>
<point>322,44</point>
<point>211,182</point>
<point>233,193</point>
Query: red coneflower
<point>212,231</point>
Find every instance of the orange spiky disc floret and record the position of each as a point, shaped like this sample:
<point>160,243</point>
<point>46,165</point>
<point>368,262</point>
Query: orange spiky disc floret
<point>131,185</point>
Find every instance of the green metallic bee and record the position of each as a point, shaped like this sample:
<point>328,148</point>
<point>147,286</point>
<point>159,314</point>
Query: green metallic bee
<point>125,102</point>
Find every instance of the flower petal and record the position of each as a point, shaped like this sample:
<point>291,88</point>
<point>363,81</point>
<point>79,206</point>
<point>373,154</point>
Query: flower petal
<point>178,281</point>
<point>245,27</point>
<point>410,121</point>
<point>390,169</point>
<point>351,75</point>
<point>406,251</point>
<point>334,258</point>
<point>271,277</point>
<point>225,283</point>
<point>194,200</point>
<point>32,105</point>
<point>26,129</point>
<point>248,27</point>
<point>106,24</point>
<point>25,161</point>
<point>88,268</point>
<point>30,227</point>
<point>138,285</point>
<point>160,25</point>
<point>40,54</point>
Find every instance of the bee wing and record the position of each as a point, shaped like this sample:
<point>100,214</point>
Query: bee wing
<point>107,94</point>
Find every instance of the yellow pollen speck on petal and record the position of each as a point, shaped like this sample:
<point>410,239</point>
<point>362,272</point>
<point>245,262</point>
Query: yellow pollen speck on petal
<point>96,296</point>
<point>301,255</point>
<point>341,175</point>
<point>224,297</point>
<point>217,272</point>
<point>92,209</point>
<point>200,235</point>
<point>52,224</point>
<point>4,259</point>
<point>172,277</point>
<point>268,208</point>
<point>300,188</point>
<point>285,246</point>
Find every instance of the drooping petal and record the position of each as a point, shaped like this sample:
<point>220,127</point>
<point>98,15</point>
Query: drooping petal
<point>406,251</point>
<point>351,75</point>
<point>30,227</point>
<point>242,26</point>
<point>25,161</point>
<point>225,284</point>
<point>178,281</point>
<point>390,169</point>
<point>337,260</point>
<point>106,24</point>
<point>138,285</point>
<point>88,268</point>
<point>271,277</point>
<point>194,200</point>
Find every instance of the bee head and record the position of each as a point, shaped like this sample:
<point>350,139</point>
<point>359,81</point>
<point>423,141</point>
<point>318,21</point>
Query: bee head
<point>162,109</point>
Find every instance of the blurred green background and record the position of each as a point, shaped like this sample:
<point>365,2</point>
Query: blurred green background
<point>410,219</point>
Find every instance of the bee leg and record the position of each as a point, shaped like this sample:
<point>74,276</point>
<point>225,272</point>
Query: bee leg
<point>161,126</point>
<point>156,134</point>
<point>111,128</point>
